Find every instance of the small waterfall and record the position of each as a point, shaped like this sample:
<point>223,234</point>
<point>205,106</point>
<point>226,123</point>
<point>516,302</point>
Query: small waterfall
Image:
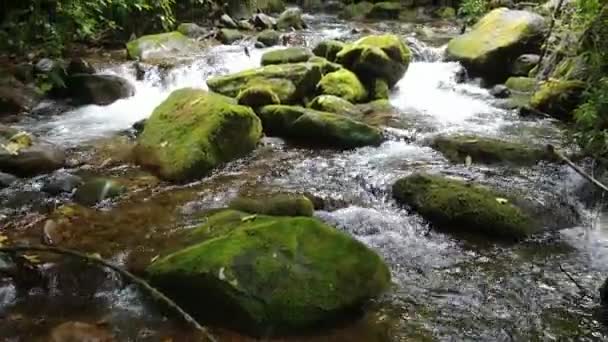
<point>421,52</point>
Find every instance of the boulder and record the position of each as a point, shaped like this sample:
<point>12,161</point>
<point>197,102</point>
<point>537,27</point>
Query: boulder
<point>291,82</point>
<point>500,91</point>
<point>80,66</point>
<point>191,30</point>
<point>460,207</point>
<point>6,180</point>
<point>258,96</point>
<point>446,12</point>
<point>378,56</point>
<point>357,10</point>
<point>264,21</point>
<point>483,150</point>
<point>159,46</point>
<point>385,10</point>
<point>101,90</point>
<point>96,190</point>
<point>229,36</point>
<point>379,90</point>
<point>334,104</point>
<point>24,155</point>
<point>16,97</point>
<point>288,55</point>
<point>524,64</point>
<point>291,18</point>
<point>240,9</point>
<point>328,49</point>
<point>502,35</point>
<point>558,98</point>
<point>267,273</point>
<point>343,83</point>
<point>274,205</point>
<point>227,22</point>
<point>268,37</point>
<point>61,182</point>
<point>521,84</point>
<point>192,132</point>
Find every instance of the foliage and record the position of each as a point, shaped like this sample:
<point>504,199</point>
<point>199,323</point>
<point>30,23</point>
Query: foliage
<point>472,10</point>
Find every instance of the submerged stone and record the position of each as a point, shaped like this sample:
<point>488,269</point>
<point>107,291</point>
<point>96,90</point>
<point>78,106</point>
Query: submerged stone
<point>97,190</point>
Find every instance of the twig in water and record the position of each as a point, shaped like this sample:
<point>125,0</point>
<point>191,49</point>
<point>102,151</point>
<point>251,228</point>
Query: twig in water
<point>583,290</point>
<point>133,278</point>
<point>580,171</point>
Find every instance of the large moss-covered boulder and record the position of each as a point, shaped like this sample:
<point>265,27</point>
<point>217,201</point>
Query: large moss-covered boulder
<point>24,155</point>
<point>501,36</point>
<point>459,207</point>
<point>264,273</point>
<point>378,56</point>
<point>292,83</point>
<point>385,10</point>
<point>317,128</point>
<point>334,104</point>
<point>328,49</point>
<point>291,19</point>
<point>194,131</point>
<point>274,205</point>
<point>288,55</point>
<point>558,98</point>
<point>343,83</point>
<point>159,46</point>
<point>268,37</point>
<point>258,96</point>
<point>457,148</point>
<point>521,84</point>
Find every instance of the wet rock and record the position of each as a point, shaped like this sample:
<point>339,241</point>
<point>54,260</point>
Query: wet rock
<point>24,155</point>
<point>379,90</point>
<point>32,200</point>
<point>524,64</point>
<point>264,21</point>
<point>138,126</point>
<point>288,55</point>
<point>385,10</point>
<point>328,49</point>
<point>343,83</point>
<point>269,37</point>
<point>460,207</point>
<point>227,22</point>
<point>6,180</point>
<point>80,66</point>
<point>334,104</point>
<point>191,30</point>
<point>457,148</point>
<point>159,46</point>
<point>377,57</point>
<point>558,98</point>
<point>500,91</point>
<point>80,332</point>
<point>46,65</point>
<point>291,18</point>
<point>229,36</point>
<point>521,84</point>
<point>245,25</point>
<point>496,40</point>
<point>239,9</point>
<point>357,10</point>
<point>16,97</point>
<point>252,269</point>
<point>316,128</point>
<point>291,82</point>
<point>258,96</point>
<point>97,89</point>
<point>274,205</point>
<point>192,132</point>
<point>61,182</point>
<point>97,190</point>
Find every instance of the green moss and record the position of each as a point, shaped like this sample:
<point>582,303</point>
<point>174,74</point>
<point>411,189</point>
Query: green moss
<point>229,36</point>
<point>489,151</point>
<point>193,131</point>
<point>343,83</point>
<point>258,96</point>
<point>333,104</point>
<point>461,207</point>
<point>558,98</point>
<point>325,65</point>
<point>521,84</point>
<point>277,119</point>
<point>279,273</point>
<point>268,37</point>
<point>291,18</point>
<point>376,57</point>
<point>384,10</point>
<point>328,49</point>
<point>288,55</point>
<point>275,205</point>
<point>357,11</point>
<point>156,45</point>
<point>379,90</point>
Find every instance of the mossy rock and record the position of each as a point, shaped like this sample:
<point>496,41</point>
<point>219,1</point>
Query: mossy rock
<point>459,207</point>
<point>257,96</point>
<point>269,37</point>
<point>343,83</point>
<point>240,9</point>
<point>521,84</point>
<point>379,90</point>
<point>384,10</point>
<point>288,55</point>
<point>292,83</point>
<point>325,64</point>
<point>376,57</point>
<point>558,98</point>
<point>96,190</point>
<point>357,10</point>
<point>159,46</point>
<point>278,119</point>
<point>271,6</point>
<point>194,131</point>
<point>496,40</point>
<point>291,18</point>
<point>333,104</point>
<point>274,205</point>
<point>524,64</point>
<point>328,49</point>
<point>191,30</point>
<point>268,273</point>
<point>229,36</point>
<point>24,155</point>
<point>484,150</point>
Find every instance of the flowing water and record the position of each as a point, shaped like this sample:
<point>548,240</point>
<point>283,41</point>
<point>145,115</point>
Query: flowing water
<point>445,288</point>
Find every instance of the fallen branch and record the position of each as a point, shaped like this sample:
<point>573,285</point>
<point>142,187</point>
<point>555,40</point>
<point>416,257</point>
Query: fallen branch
<point>583,290</point>
<point>578,170</point>
<point>133,278</point>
